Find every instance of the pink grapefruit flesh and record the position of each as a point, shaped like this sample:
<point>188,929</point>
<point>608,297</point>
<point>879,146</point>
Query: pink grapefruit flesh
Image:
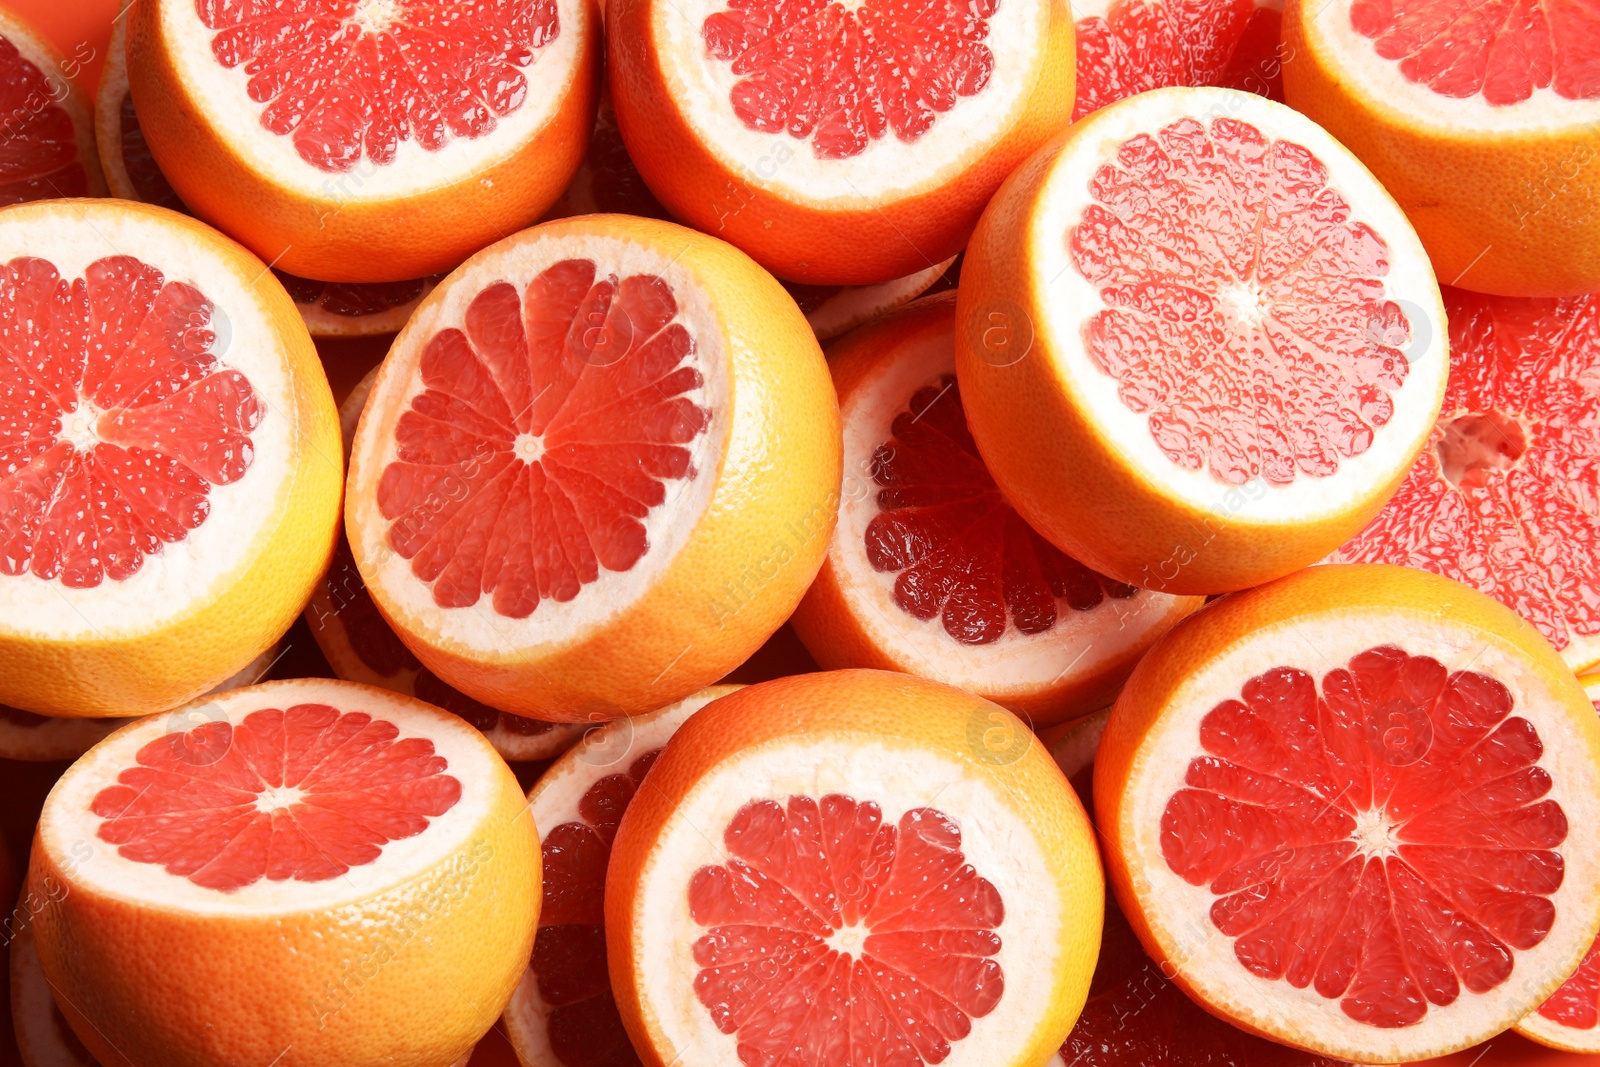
<point>1577,1003</point>
<point>39,158</point>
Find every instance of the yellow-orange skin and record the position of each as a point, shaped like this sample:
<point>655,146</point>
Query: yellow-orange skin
<point>833,633</point>
<point>753,552</point>
<point>863,245</point>
<point>336,237</point>
<point>413,975</point>
<point>888,709</point>
<point>1516,214</point>
<point>1034,431</point>
<point>1338,590</point>
<point>144,671</point>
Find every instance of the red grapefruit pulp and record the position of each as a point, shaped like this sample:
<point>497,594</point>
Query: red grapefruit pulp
<point>40,153</point>
<point>114,433</point>
<point>1504,498</point>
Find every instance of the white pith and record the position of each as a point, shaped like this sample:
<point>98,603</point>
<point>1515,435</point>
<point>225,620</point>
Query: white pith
<point>1178,912</point>
<point>60,72</point>
<point>1380,85</point>
<point>855,304</point>
<point>33,1008</point>
<point>1080,644</point>
<point>479,631</point>
<point>1084,9</point>
<point>1076,746</point>
<point>554,799</point>
<point>108,111</point>
<point>998,844</point>
<point>223,102</point>
<point>69,829</point>
<point>173,581</point>
<point>888,169</point>
<point>1072,301</point>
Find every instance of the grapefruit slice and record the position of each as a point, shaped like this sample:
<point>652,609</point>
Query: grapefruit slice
<point>169,465</point>
<point>1504,496</point>
<point>837,145</point>
<point>563,1013</point>
<point>1351,811</point>
<point>273,839</point>
<point>331,309</point>
<point>48,148</point>
<point>597,470</point>
<point>1233,390</point>
<point>1481,119</point>
<point>360,647</point>
<point>366,141</point>
<point>834,310</point>
<point>931,572</point>
<point>835,868</point>
<point>1131,46</point>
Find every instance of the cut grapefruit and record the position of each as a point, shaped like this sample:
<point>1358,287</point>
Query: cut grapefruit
<point>837,145</point>
<point>1198,344</point>
<point>1483,120</point>
<point>331,309</point>
<point>348,876</point>
<point>1131,46</point>
<point>834,310</point>
<point>597,470</point>
<point>169,464</point>
<point>839,868</point>
<point>1352,810</point>
<point>47,148</point>
<point>1073,746</point>
<point>931,572</point>
<point>360,646</point>
<point>1504,498</point>
<point>43,1037</point>
<point>366,140</point>
<point>563,1014</point>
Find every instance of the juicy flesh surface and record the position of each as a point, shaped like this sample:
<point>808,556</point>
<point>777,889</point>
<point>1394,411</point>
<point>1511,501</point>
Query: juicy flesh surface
<point>305,793</point>
<point>116,419</point>
<point>349,80</point>
<point>1135,1017</point>
<point>1502,50</point>
<point>1140,45</point>
<point>569,953</point>
<point>38,143</point>
<point>961,553</point>
<point>1383,840</point>
<point>844,76</point>
<point>545,434</point>
<point>1244,302</point>
<point>1506,497</point>
<point>833,938</point>
<point>1577,1003</point>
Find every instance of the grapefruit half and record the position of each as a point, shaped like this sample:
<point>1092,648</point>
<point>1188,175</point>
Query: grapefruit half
<point>366,140</point>
<point>837,868</point>
<point>1483,120</point>
<point>47,148</point>
<point>837,145</point>
<point>597,470</point>
<point>1504,497</point>
<point>43,1037</point>
<point>348,875</point>
<point>563,1013</point>
<point>1198,345</point>
<point>1352,811</point>
<point>169,459</point>
<point>931,572</point>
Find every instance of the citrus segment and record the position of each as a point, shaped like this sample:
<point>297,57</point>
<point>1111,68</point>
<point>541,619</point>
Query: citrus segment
<point>1344,808</point>
<point>563,1011</point>
<point>1502,498</point>
<point>48,150</point>
<point>1207,312</point>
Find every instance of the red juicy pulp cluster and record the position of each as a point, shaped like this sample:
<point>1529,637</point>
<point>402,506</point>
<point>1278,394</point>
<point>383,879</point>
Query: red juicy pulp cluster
<point>128,354</point>
<point>1281,301</point>
<point>1577,1002</point>
<point>38,145</point>
<point>843,78</point>
<point>541,441</point>
<point>802,875</point>
<point>344,90</point>
<point>961,552</point>
<point>305,793</point>
<point>1382,840</point>
<point>569,953</point>
<point>1502,49</point>
<point>1504,497</point>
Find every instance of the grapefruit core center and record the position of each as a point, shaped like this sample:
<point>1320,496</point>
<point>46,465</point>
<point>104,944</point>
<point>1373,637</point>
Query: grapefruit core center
<point>1474,444</point>
<point>375,16</point>
<point>1384,839</point>
<point>1244,303</point>
<point>80,428</point>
